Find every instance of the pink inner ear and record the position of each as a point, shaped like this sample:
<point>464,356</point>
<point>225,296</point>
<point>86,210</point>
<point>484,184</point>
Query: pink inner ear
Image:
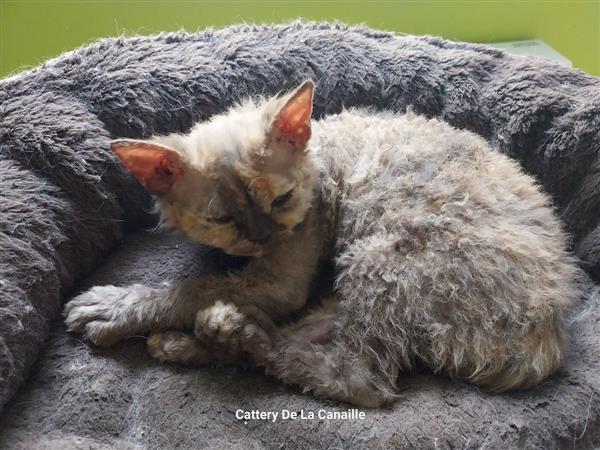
<point>155,167</point>
<point>292,124</point>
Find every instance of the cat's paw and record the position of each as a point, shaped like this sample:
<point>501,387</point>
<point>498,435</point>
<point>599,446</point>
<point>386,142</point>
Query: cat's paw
<point>106,314</point>
<point>178,347</point>
<point>237,329</point>
<point>219,324</point>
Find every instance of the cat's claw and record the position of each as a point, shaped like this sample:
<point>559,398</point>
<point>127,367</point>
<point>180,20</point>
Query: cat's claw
<point>105,314</point>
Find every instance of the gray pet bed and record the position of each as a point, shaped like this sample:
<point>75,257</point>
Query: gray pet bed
<point>68,209</point>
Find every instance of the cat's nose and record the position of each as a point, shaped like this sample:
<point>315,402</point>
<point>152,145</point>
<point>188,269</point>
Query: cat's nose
<point>258,228</point>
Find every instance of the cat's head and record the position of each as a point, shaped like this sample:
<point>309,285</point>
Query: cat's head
<point>239,182</point>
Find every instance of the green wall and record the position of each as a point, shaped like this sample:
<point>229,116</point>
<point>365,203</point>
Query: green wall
<point>34,30</point>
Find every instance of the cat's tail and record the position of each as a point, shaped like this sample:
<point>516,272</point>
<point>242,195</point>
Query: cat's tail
<point>517,363</point>
<point>538,356</point>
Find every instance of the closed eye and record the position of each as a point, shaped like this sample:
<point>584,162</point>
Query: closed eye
<point>281,200</point>
<point>220,220</point>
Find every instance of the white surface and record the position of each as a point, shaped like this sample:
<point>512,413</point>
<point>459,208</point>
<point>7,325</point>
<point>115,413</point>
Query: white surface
<point>532,48</point>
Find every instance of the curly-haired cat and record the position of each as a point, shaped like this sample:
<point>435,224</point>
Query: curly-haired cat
<point>445,252</point>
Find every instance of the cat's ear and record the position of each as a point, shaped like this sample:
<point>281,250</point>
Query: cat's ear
<point>291,125</point>
<point>156,166</point>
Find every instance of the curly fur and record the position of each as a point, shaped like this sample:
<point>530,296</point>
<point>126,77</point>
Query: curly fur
<point>445,253</point>
<point>56,121</point>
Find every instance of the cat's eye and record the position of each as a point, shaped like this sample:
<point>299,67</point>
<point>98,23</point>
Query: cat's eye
<point>220,220</point>
<point>278,202</point>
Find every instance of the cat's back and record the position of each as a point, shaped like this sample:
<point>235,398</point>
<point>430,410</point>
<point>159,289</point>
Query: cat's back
<point>405,155</point>
<point>364,141</point>
<point>398,172</point>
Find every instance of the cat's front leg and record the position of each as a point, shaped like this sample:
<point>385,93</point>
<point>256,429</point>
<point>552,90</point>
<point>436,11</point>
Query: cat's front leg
<point>216,336</point>
<point>223,324</point>
<point>277,284</point>
<point>219,326</point>
<point>108,314</point>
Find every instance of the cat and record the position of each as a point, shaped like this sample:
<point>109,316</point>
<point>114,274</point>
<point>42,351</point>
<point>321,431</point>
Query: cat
<point>445,253</point>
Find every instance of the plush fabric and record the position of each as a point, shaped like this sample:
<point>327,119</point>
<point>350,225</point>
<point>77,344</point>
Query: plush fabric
<point>65,202</point>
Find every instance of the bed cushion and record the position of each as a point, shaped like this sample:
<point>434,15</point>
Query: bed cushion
<point>65,203</point>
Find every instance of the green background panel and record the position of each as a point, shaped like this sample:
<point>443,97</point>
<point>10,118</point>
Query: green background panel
<point>34,30</point>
